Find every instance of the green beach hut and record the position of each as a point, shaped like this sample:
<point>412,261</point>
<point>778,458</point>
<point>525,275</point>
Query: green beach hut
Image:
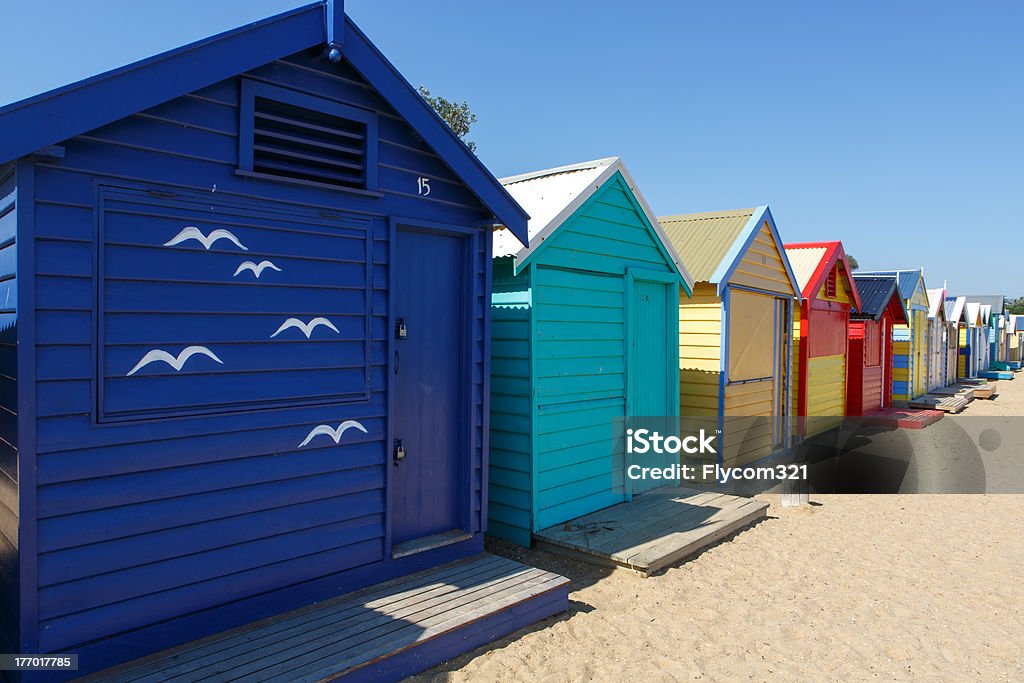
<point>584,332</point>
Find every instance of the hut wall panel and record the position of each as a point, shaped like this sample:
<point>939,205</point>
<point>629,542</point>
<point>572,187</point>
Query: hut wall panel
<point>579,315</point>
<point>148,521</point>
<point>510,475</point>
<point>748,422</point>
<point>901,376</point>
<point>762,266</point>
<point>9,498</point>
<point>826,391</point>
<point>700,351</point>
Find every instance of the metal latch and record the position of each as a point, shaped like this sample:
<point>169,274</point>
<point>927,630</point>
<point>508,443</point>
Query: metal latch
<point>401,332</point>
<point>399,452</point>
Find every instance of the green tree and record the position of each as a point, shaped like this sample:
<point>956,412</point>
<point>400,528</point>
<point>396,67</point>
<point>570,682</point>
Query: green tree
<point>457,115</point>
<point>852,261</point>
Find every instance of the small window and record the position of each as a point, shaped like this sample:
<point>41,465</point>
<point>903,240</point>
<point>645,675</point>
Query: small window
<point>830,284</point>
<point>291,136</point>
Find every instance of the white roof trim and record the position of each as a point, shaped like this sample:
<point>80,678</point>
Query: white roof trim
<point>611,166</point>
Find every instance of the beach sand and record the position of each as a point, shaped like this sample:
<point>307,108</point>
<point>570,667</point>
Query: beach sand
<point>852,588</point>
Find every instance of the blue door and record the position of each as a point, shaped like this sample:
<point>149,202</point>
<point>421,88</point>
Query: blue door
<point>427,494</point>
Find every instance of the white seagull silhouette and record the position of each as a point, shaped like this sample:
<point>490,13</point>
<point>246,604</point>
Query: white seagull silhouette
<point>176,363</point>
<point>257,270</point>
<point>307,328</point>
<point>332,432</point>
<point>191,232</point>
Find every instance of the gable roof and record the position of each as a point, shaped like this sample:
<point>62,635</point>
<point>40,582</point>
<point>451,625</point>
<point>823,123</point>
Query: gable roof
<point>712,243</point>
<point>705,238</point>
<point>877,293</point>
<point>955,308</point>
<point>813,261</point>
<point>49,118</point>
<point>553,195</point>
<point>907,279</point>
<point>936,301</point>
<point>972,313</point>
<point>986,313</point>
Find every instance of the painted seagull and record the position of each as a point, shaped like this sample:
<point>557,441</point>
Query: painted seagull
<point>191,232</point>
<point>307,328</point>
<point>332,432</point>
<point>257,270</point>
<point>175,362</point>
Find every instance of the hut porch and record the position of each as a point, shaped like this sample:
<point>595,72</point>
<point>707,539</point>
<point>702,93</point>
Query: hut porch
<point>384,632</point>
<point>654,530</point>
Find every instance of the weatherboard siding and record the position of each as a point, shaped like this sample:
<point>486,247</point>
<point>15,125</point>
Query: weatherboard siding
<point>510,473</point>
<point>826,392</point>
<point>700,351</point>
<point>9,499</point>
<point>762,266</point>
<point>578,289</point>
<point>147,520</point>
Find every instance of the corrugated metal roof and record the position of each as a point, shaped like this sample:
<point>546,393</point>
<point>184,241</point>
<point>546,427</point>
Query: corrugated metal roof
<point>551,196</point>
<point>908,279</point>
<point>936,298</point>
<point>544,195</point>
<point>875,293</point>
<point>955,308</point>
<point>804,261</point>
<point>703,240</point>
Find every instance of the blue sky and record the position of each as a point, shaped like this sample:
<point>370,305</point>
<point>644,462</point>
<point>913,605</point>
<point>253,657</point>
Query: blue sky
<point>895,127</point>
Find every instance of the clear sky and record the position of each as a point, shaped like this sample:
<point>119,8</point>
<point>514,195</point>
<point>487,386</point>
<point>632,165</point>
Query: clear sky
<point>897,127</point>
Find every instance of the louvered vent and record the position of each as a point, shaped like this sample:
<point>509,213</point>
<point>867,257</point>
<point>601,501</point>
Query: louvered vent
<point>304,144</point>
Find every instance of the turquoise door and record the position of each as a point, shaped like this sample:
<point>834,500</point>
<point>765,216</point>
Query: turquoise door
<point>652,366</point>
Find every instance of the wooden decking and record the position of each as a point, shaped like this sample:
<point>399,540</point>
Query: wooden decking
<point>653,531</point>
<point>947,403</point>
<point>963,390</point>
<point>903,418</point>
<point>385,632</point>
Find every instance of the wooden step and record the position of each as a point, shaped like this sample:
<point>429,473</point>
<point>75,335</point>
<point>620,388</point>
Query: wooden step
<point>384,632</point>
<point>956,390</point>
<point>946,403</point>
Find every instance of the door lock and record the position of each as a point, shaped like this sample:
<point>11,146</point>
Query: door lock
<point>401,332</point>
<point>399,452</point>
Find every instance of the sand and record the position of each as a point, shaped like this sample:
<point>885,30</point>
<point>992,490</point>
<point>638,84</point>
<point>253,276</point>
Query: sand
<point>852,588</point>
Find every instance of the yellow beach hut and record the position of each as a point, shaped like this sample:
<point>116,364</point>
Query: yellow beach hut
<point>734,333</point>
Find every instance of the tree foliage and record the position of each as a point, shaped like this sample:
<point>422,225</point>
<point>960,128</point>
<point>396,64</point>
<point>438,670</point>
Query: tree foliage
<point>852,261</point>
<point>456,114</point>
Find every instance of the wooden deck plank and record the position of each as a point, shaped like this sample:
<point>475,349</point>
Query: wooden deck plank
<point>362,631</point>
<point>686,521</point>
<point>695,522</point>
<point>376,597</point>
<point>655,559</point>
<point>627,521</point>
<point>273,638</point>
<point>350,652</point>
<point>945,403</point>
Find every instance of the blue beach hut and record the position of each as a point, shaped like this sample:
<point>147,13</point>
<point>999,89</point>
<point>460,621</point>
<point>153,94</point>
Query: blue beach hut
<point>585,333</point>
<point>246,361</point>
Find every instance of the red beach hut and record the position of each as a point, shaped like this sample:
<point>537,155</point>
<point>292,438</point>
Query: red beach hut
<point>869,383</point>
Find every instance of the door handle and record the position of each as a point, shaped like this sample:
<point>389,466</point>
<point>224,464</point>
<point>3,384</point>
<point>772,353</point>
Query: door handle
<point>397,361</point>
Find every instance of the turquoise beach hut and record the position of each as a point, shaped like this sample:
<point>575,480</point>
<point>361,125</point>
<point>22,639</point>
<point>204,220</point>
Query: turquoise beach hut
<point>584,332</point>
